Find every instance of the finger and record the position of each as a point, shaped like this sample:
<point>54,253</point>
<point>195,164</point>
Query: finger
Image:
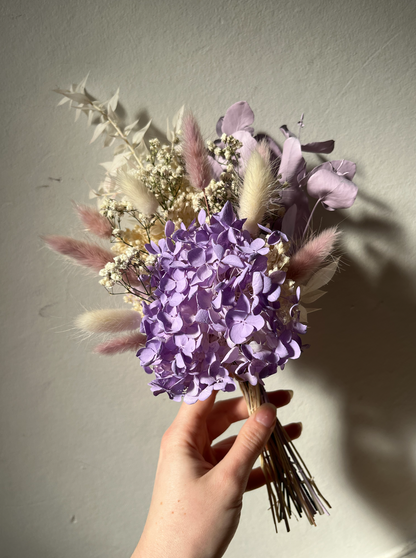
<point>239,461</point>
<point>221,449</point>
<point>294,430</point>
<point>225,413</point>
<point>191,418</point>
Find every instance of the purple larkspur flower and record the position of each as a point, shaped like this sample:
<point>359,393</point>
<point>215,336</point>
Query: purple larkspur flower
<point>216,313</point>
<point>330,183</point>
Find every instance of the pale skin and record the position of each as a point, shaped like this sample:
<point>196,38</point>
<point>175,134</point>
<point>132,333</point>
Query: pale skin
<point>199,487</point>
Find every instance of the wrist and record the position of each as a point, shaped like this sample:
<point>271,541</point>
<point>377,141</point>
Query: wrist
<point>160,545</point>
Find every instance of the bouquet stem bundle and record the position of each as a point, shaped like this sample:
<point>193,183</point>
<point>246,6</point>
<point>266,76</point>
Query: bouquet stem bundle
<point>288,481</point>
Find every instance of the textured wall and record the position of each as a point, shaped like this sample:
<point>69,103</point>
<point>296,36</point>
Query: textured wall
<point>80,433</point>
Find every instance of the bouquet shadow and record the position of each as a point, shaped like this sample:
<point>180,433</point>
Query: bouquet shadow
<point>369,362</point>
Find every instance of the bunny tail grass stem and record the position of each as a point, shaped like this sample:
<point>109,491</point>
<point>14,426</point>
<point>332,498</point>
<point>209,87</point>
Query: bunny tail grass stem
<point>288,481</point>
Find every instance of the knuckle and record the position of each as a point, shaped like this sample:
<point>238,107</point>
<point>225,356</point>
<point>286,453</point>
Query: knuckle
<point>167,439</point>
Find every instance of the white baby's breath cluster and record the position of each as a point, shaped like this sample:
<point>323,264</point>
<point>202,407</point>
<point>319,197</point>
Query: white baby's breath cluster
<point>285,312</point>
<point>112,208</point>
<point>112,272</point>
<point>115,271</point>
<point>278,257</point>
<point>162,171</point>
<point>216,194</point>
<point>229,151</point>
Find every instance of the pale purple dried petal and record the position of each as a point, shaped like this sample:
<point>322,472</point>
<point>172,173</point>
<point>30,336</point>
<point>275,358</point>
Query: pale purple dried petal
<point>333,190</point>
<point>238,117</point>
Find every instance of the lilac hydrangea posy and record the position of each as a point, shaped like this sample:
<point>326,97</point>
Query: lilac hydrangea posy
<point>213,248</point>
<point>216,310</point>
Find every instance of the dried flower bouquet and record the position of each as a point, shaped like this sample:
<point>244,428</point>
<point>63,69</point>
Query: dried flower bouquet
<point>211,245</point>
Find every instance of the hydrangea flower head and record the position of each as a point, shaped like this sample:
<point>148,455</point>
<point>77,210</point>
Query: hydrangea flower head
<point>216,315</point>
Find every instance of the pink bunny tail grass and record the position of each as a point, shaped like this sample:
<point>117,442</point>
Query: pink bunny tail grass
<point>121,344</point>
<point>312,255</point>
<point>82,253</point>
<point>93,221</point>
<point>195,154</point>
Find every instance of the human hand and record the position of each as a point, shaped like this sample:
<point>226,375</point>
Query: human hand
<point>198,492</point>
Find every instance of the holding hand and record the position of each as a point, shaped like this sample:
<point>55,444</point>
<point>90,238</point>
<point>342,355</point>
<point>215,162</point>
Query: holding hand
<point>198,491</point>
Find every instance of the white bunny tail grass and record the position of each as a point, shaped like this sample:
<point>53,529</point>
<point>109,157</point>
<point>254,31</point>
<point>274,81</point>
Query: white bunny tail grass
<point>139,195</point>
<point>290,486</point>
<point>256,191</point>
<point>108,321</point>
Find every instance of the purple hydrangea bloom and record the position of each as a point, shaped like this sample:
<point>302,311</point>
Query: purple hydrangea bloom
<point>216,313</point>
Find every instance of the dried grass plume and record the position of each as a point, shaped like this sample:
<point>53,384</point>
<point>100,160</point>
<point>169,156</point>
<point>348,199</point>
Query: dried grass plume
<point>138,193</point>
<point>109,320</point>
<point>256,190</point>
<point>121,344</point>
<point>195,155</point>
<point>93,221</point>
<point>81,252</point>
<point>312,255</point>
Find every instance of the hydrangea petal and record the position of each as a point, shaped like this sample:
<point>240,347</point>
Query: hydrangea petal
<point>196,257</point>
<point>240,332</point>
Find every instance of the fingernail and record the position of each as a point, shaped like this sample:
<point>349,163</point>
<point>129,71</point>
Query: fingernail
<point>290,392</point>
<point>300,425</point>
<point>266,415</point>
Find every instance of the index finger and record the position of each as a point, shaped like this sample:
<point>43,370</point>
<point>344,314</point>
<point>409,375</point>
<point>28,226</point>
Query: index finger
<point>191,418</point>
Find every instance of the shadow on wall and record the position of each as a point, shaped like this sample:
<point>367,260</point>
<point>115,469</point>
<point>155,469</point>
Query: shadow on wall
<point>368,343</point>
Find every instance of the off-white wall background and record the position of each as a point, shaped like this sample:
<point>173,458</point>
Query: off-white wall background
<point>80,433</point>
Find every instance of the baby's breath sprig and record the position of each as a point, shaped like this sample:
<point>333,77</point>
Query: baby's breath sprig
<point>126,266</point>
<point>163,172</point>
<point>229,153</point>
<point>217,193</point>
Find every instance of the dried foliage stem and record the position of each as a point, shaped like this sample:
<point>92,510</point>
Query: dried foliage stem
<point>288,481</point>
<point>120,134</point>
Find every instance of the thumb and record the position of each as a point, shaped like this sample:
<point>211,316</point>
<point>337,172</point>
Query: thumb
<point>239,461</point>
